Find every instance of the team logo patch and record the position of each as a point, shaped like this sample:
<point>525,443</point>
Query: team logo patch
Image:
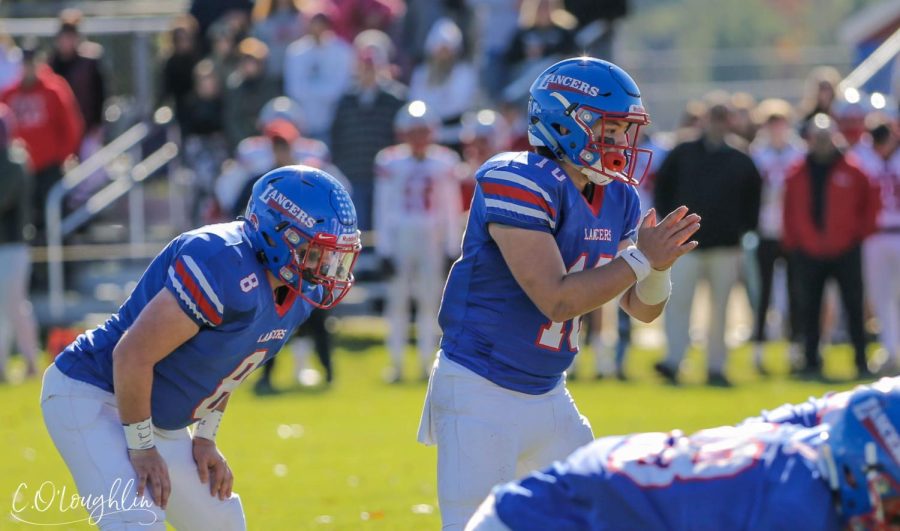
<point>280,202</point>
<point>568,84</point>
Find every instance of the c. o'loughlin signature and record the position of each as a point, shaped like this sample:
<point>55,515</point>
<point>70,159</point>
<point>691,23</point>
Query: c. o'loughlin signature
<point>48,497</point>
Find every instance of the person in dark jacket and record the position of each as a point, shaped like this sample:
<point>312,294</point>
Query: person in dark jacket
<point>364,120</point>
<point>78,62</point>
<point>830,207</point>
<point>16,317</point>
<point>178,68</point>
<point>715,178</point>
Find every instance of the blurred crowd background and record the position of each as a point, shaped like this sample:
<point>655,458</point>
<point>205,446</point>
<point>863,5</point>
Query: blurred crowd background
<point>125,123</point>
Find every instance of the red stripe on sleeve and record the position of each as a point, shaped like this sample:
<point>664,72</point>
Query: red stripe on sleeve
<point>194,290</point>
<point>520,194</point>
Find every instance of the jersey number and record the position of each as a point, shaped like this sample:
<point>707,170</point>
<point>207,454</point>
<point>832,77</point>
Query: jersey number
<point>552,333</point>
<point>229,383</point>
<point>249,282</point>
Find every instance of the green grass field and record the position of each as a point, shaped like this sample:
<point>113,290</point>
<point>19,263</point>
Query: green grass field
<point>346,457</point>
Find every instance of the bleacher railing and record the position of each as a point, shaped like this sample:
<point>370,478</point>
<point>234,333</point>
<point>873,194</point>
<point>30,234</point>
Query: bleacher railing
<point>59,226</point>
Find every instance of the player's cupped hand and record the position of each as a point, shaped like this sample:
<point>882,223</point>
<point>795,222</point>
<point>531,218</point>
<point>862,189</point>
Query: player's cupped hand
<point>152,473</point>
<point>212,468</point>
<point>664,241</point>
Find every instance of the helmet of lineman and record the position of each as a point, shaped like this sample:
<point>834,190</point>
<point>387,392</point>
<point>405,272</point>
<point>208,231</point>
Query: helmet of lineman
<point>570,109</point>
<point>862,455</point>
<point>302,224</point>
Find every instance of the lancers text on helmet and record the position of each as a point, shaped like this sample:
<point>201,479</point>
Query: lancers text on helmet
<point>283,204</point>
<point>570,84</point>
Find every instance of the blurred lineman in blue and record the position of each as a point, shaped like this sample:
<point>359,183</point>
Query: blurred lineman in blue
<point>829,463</point>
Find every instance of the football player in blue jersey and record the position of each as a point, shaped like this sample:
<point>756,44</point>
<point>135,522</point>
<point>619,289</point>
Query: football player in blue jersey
<point>551,236</point>
<point>827,464</point>
<point>212,306</point>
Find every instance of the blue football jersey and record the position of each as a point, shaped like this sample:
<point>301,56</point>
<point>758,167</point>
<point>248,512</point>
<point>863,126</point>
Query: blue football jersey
<point>762,474</point>
<point>759,475</point>
<point>489,324</point>
<point>217,279</point>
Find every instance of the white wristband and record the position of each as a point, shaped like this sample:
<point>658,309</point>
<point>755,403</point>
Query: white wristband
<point>637,261</point>
<point>139,435</point>
<point>654,289</point>
<point>209,425</point>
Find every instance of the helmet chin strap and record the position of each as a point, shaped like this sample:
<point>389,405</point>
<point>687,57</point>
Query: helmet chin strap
<point>595,176</point>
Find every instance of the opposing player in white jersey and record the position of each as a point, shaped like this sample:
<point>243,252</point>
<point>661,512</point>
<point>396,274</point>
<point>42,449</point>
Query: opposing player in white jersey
<point>213,306</point>
<point>776,148</point>
<point>879,157</point>
<point>417,223</point>
<point>551,236</point>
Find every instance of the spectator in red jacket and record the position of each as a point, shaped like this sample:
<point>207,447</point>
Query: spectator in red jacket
<point>47,120</point>
<point>830,207</point>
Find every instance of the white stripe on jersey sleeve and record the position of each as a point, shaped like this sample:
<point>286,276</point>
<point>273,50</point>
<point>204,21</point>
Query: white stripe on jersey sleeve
<point>185,297</point>
<point>519,209</point>
<point>518,179</point>
<point>195,269</point>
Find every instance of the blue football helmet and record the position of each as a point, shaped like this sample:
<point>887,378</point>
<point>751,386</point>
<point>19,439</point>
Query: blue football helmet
<point>570,106</point>
<point>862,456</point>
<point>302,224</point>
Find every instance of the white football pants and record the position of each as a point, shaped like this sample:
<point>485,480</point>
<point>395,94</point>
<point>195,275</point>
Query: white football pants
<point>881,263</point>
<point>488,435</point>
<point>83,421</point>
<point>419,276</point>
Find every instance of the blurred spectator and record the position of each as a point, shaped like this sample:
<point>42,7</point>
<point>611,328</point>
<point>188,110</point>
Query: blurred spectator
<point>776,149</point>
<point>819,94</point>
<point>720,183</point>
<point>830,207</point>
<point>207,12</point>
<point>484,134</point>
<point>48,121</point>
<point>205,145</point>
<point>178,69</point>
<point>743,124</point>
<point>419,18</point>
<point>545,31</point>
<point>317,72</point>
<point>597,21</point>
<point>78,62</point>
<point>257,155</point>
<point>495,24</point>
<point>849,112</point>
<point>418,227</point>
<point>354,16</point>
<point>364,119</point>
<point>445,82</point>
<point>880,160</point>
<point>690,124</point>
<point>10,62</point>
<point>16,317</point>
<point>247,91</point>
<point>277,23</point>
<point>224,53</point>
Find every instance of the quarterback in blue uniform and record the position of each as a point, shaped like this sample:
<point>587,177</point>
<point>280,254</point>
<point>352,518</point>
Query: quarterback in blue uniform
<point>215,304</point>
<point>828,464</point>
<point>550,236</point>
